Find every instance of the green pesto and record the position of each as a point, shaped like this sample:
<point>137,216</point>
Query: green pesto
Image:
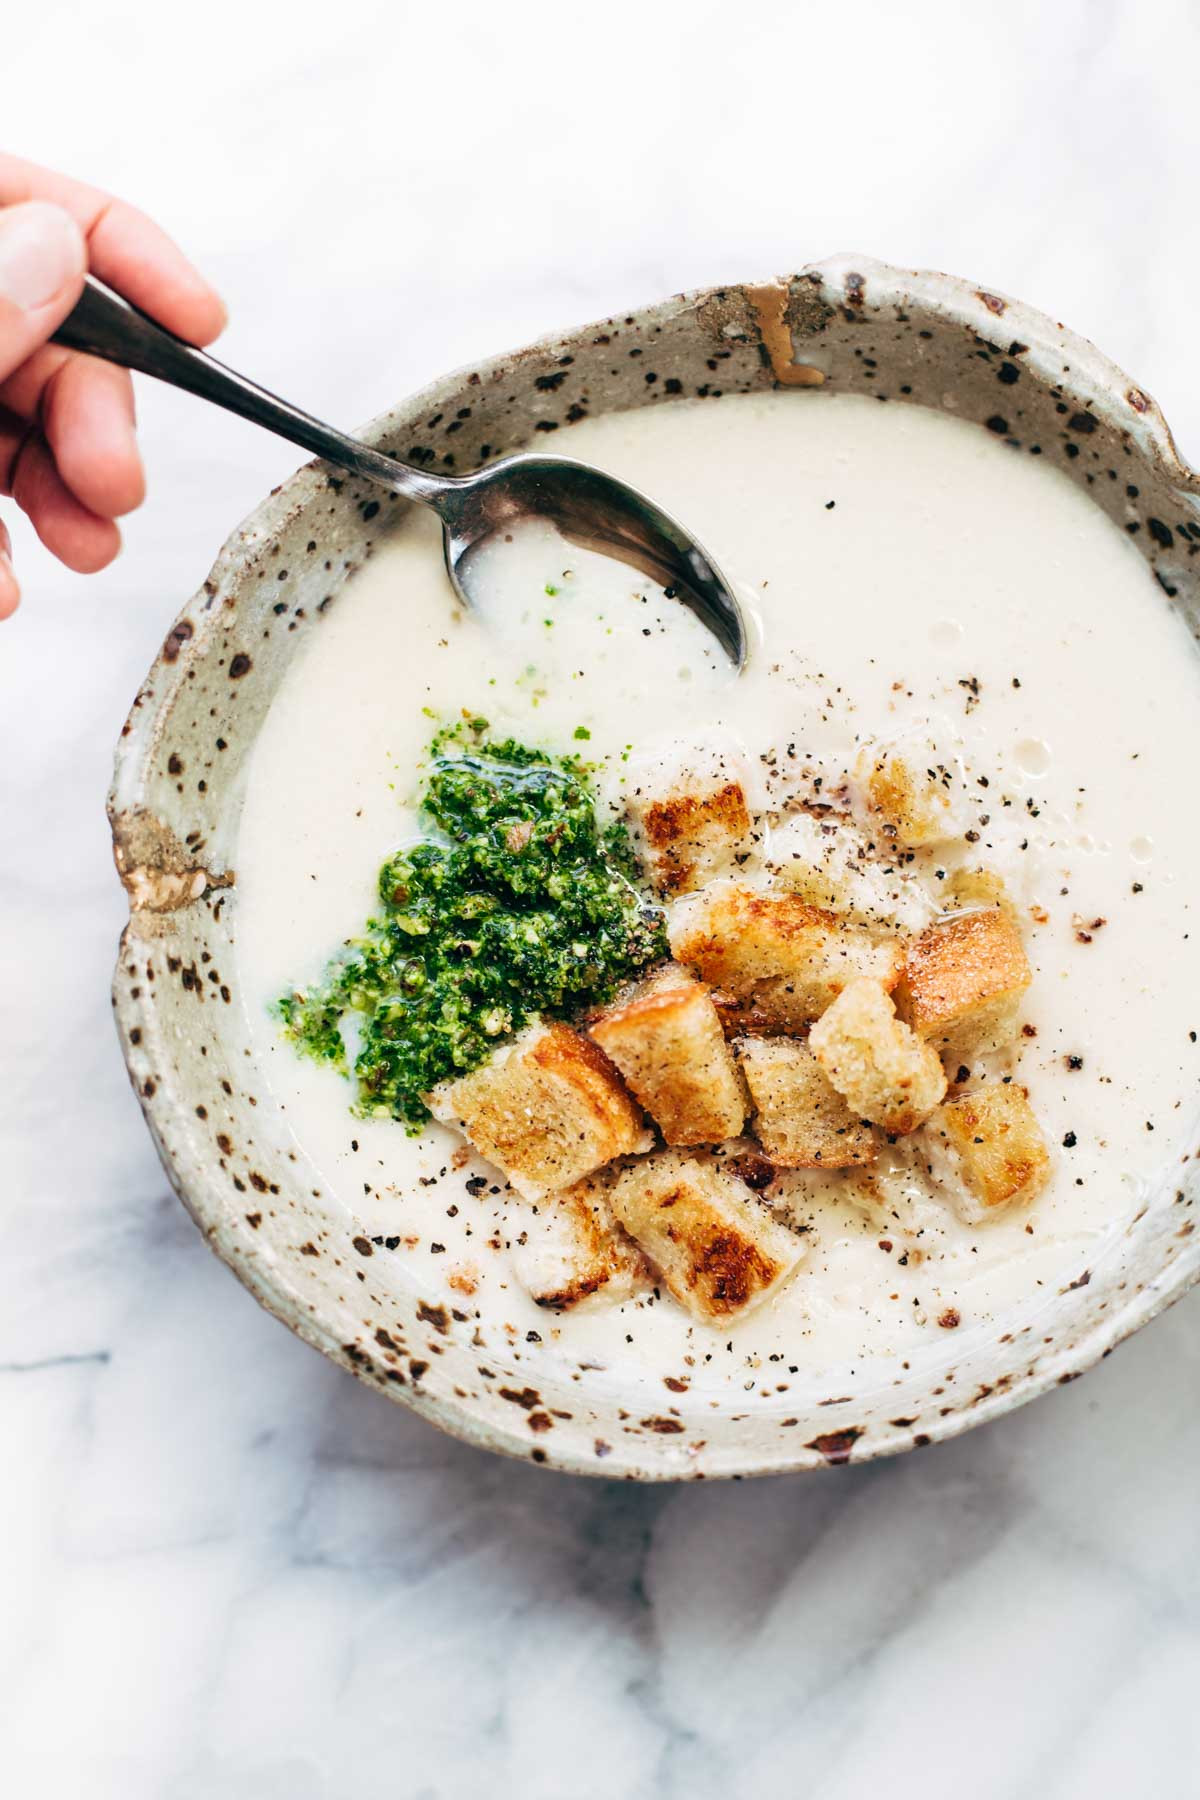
<point>521,904</point>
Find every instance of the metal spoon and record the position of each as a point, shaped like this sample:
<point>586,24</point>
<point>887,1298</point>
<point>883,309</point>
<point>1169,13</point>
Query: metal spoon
<point>585,505</point>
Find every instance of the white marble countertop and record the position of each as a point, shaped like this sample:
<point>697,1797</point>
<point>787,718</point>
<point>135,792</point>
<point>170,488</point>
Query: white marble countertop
<point>228,1571</point>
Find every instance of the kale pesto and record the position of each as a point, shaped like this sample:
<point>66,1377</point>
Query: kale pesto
<point>518,903</point>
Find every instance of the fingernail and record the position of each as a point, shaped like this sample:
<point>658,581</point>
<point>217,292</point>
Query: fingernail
<point>41,250</point>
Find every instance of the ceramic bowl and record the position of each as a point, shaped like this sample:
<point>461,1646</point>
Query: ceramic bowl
<point>849,325</point>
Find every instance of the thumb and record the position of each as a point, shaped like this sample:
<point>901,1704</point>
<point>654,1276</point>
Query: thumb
<point>43,260</point>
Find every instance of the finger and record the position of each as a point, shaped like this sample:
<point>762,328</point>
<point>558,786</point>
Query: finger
<point>86,413</point>
<point>87,419</point>
<point>10,593</point>
<point>21,394</point>
<point>68,529</point>
<point>13,432</point>
<point>125,249</point>
<point>42,262</point>
<point>136,257</point>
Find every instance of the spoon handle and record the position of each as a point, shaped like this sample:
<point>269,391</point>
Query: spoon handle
<point>105,325</point>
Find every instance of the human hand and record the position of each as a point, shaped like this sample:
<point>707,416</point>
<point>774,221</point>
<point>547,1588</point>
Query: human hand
<point>68,448</point>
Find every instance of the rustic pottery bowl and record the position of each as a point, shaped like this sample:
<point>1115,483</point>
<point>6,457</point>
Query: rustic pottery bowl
<point>849,325</point>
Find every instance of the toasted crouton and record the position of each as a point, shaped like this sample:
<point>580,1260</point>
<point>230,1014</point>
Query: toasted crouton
<point>800,1119</point>
<point>571,1250</point>
<point>906,790</point>
<point>830,864</point>
<point>987,1149</point>
<point>716,1247</point>
<point>547,1109</point>
<point>963,980</point>
<point>788,959</point>
<point>690,819</point>
<point>883,1069</point>
<point>666,1039</point>
<point>742,1018</point>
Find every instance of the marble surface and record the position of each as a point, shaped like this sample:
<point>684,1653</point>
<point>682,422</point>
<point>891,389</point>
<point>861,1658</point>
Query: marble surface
<point>275,1586</point>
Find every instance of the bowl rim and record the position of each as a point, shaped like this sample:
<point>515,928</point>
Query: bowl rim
<point>1082,370</point>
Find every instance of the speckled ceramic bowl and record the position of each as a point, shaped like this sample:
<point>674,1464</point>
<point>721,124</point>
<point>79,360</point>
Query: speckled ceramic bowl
<point>852,326</point>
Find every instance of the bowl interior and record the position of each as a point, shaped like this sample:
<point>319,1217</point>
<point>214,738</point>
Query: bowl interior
<point>848,326</point>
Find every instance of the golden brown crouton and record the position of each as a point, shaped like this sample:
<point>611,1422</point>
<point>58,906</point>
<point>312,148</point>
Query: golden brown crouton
<point>788,959</point>
<point>548,1109</point>
<point>571,1250</point>
<point>963,980</point>
<point>987,1148</point>
<point>716,1247</point>
<point>907,791</point>
<point>690,819</point>
<point>884,1070</point>
<point>801,1120</point>
<point>666,1039</point>
<point>741,1018</point>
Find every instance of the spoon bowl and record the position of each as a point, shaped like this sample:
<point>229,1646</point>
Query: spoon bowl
<point>586,506</point>
<point>596,512</point>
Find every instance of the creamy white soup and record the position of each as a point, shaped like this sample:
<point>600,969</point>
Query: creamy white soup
<point>902,573</point>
